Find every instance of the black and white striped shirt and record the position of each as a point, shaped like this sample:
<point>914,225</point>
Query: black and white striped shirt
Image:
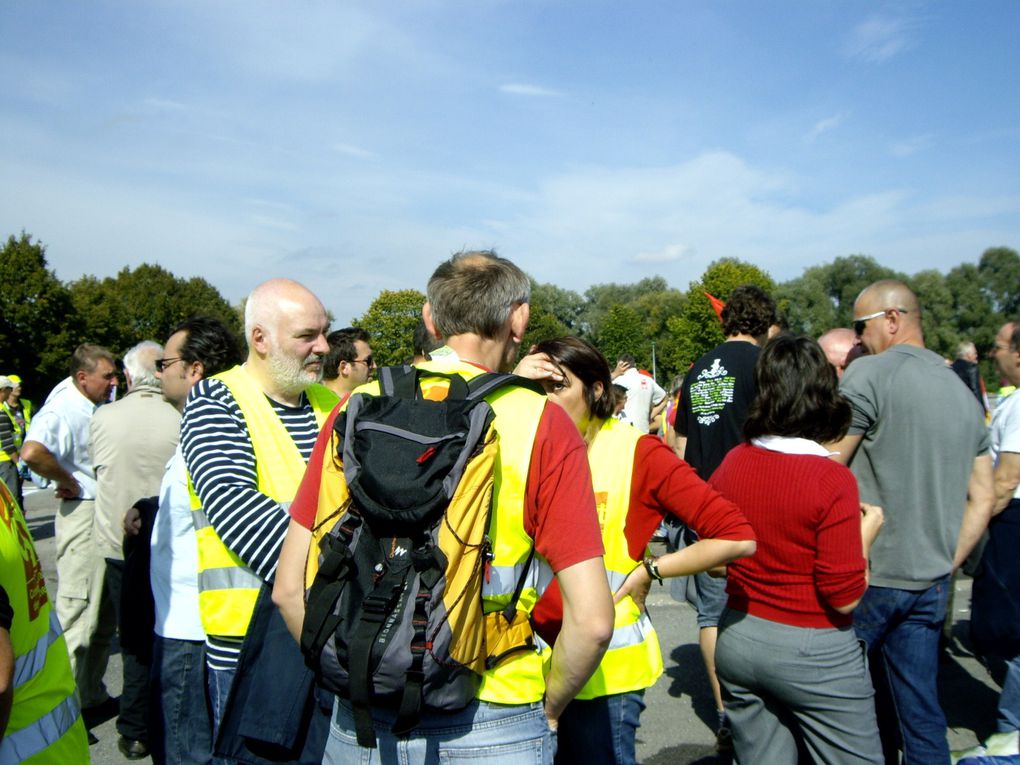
<point>220,459</point>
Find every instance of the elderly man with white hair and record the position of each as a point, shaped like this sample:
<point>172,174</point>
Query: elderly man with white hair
<point>246,435</point>
<point>130,441</point>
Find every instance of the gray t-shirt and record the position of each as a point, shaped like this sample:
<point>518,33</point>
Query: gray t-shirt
<point>921,429</point>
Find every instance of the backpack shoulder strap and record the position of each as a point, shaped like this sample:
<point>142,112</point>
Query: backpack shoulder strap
<point>405,382</point>
<point>490,382</point>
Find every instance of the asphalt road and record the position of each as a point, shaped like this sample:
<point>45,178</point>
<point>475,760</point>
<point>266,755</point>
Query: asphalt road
<point>678,724</point>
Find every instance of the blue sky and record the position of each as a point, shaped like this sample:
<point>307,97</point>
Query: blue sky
<point>353,146</point>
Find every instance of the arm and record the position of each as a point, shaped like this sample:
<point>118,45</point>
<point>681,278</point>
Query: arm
<point>289,587</point>
<point>1007,478</point>
<point>844,448</point>
<point>657,410</point>
<point>872,519</point>
<point>584,637</point>
<point>221,462</point>
<point>980,501</point>
<point>41,460</point>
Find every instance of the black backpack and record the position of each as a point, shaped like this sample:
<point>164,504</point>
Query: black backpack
<point>394,616</point>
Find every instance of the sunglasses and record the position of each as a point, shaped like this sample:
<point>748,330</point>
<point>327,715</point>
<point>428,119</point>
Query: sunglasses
<point>368,361</point>
<point>162,364</point>
<point>860,323</point>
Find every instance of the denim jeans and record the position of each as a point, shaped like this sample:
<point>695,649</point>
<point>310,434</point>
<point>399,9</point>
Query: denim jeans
<point>495,734</point>
<point>178,682</point>
<point>901,629</point>
<point>220,681</point>
<point>601,730</point>
<point>1009,700</point>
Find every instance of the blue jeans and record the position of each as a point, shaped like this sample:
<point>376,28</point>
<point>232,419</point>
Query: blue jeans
<point>494,734</point>
<point>178,682</point>
<point>593,731</point>
<point>901,629</point>
<point>220,681</point>
<point>1009,700</point>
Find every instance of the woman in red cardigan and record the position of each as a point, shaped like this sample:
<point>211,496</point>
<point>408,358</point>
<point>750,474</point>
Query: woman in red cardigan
<point>789,663</point>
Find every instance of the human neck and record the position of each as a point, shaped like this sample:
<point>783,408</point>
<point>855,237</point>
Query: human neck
<point>483,351</point>
<point>742,338</point>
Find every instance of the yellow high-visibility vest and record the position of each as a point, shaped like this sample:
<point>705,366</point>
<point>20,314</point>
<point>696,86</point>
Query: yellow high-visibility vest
<point>634,658</point>
<point>45,726</point>
<point>519,678</point>
<point>227,588</point>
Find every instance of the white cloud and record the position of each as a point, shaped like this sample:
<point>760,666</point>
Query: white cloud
<point>668,254</point>
<point>164,104</point>
<point>524,89</point>
<point>352,151</point>
<point>824,126</point>
<point>878,39</point>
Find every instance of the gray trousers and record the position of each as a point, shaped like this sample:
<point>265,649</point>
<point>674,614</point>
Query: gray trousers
<point>783,683</point>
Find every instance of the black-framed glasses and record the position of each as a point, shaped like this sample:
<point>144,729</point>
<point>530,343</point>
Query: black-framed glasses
<point>162,364</point>
<point>368,361</point>
<point>860,323</point>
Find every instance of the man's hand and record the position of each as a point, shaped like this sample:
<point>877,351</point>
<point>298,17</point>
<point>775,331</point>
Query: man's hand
<point>68,489</point>
<point>132,522</point>
<point>872,519</point>
<point>619,369</point>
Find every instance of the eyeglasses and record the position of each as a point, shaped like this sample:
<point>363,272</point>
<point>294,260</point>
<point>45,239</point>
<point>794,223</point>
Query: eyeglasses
<point>162,364</point>
<point>861,322</point>
<point>368,361</point>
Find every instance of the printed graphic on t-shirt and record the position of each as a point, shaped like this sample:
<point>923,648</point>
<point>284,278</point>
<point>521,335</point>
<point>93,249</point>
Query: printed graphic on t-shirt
<point>712,391</point>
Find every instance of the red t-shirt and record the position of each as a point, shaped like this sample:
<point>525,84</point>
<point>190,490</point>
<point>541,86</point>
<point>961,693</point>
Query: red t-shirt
<point>661,483</point>
<point>806,511</point>
<point>559,501</point>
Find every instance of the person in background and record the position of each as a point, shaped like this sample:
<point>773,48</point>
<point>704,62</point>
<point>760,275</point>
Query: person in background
<point>841,346</point>
<point>9,454</point>
<point>786,644</point>
<point>349,362</point>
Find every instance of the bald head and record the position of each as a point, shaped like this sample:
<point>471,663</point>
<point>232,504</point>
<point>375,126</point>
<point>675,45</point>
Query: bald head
<point>891,315</point>
<point>837,344</point>
<point>285,326</point>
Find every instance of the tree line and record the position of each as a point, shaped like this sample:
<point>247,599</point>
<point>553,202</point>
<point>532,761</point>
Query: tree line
<point>42,319</point>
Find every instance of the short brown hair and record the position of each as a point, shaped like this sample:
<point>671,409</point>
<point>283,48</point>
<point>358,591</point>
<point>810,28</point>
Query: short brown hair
<point>86,356</point>
<point>474,293</point>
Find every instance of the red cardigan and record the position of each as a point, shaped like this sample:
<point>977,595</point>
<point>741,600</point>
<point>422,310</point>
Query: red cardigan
<point>806,514</point>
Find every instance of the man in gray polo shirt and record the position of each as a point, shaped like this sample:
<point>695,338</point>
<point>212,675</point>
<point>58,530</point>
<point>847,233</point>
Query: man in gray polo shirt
<point>918,446</point>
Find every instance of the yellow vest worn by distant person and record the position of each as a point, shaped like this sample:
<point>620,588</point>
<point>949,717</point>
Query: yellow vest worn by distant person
<point>45,727</point>
<point>227,588</point>
<point>519,678</point>
<point>634,660</point>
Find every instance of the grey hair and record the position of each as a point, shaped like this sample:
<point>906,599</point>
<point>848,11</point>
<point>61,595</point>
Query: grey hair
<point>140,363</point>
<point>964,349</point>
<point>474,293</point>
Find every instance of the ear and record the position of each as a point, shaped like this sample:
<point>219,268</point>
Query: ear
<point>260,339</point>
<point>597,389</point>
<point>519,317</point>
<point>196,371</point>
<point>426,316</point>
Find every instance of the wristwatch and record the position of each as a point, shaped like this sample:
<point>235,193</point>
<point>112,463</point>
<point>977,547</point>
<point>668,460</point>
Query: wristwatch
<point>652,567</point>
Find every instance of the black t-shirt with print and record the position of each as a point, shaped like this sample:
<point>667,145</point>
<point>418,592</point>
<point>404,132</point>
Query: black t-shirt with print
<point>717,392</point>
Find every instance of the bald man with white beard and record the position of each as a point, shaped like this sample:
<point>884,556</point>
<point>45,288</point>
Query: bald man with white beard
<point>246,435</point>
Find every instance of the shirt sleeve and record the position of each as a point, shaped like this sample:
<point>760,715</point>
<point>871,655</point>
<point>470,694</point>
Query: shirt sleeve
<point>6,433</point>
<point>663,483</point>
<point>560,510</point>
<point>221,462</point>
<point>839,560</point>
<point>48,429</point>
<point>858,388</point>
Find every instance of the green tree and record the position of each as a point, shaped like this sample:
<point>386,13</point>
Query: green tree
<point>999,270</point>
<point>37,318</point>
<point>565,306</point>
<point>937,312</point>
<point>144,303</point>
<point>696,328</point>
<point>390,320</point>
<point>621,332</point>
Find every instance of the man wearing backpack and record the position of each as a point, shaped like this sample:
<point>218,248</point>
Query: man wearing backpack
<point>543,500</point>
<point>245,436</point>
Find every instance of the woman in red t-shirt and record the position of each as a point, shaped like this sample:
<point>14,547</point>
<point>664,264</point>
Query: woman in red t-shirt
<point>787,657</point>
<point>600,725</point>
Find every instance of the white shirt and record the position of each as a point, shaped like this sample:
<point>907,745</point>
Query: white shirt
<point>1005,429</point>
<point>642,394</point>
<point>62,426</point>
<point>173,568</point>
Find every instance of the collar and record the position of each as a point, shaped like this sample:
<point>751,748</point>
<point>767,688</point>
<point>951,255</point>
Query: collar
<point>788,445</point>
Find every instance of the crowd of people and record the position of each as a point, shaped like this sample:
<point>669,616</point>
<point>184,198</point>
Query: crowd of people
<point>816,496</point>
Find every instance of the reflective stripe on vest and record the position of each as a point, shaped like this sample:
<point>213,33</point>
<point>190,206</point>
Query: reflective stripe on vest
<point>227,588</point>
<point>43,733</point>
<point>44,721</point>
<point>518,679</point>
<point>633,660</point>
<point>31,664</point>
